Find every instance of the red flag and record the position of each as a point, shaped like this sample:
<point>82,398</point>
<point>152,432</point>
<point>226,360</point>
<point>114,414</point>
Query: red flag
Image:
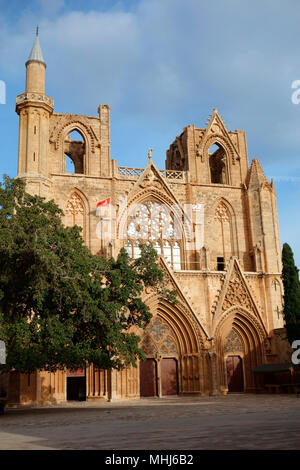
<point>100,204</point>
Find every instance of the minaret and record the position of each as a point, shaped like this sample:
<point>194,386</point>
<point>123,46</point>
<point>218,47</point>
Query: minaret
<point>34,108</point>
<point>35,68</point>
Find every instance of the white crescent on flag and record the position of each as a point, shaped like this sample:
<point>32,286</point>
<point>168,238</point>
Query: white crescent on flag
<point>100,204</point>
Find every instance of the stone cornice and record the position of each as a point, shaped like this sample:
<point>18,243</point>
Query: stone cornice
<point>35,178</point>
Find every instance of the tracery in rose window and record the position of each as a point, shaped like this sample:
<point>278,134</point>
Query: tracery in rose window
<point>154,223</point>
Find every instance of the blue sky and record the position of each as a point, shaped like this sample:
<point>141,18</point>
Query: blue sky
<point>161,65</point>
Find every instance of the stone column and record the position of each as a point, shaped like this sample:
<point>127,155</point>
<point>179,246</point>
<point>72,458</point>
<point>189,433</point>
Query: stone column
<point>113,385</point>
<point>213,372</point>
<point>159,385</point>
<point>202,372</point>
<point>38,386</point>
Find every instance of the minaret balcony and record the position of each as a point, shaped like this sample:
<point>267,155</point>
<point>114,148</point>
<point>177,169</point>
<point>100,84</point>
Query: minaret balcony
<point>24,98</point>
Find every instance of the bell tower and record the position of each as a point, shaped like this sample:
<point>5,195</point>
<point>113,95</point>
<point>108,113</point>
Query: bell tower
<point>211,155</point>
<point>34,108</point>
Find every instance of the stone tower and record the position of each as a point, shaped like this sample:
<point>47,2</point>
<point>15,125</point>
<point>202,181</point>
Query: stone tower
<point>212,219</point>
<point>35,109</point>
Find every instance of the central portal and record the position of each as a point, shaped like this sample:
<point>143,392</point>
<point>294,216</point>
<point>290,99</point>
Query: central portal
<point>150,374</point>
<point>159,372</point>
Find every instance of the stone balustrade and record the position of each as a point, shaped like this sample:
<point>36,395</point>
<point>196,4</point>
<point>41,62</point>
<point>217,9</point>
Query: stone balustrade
<point>35,97</point>
<point>136,173</point>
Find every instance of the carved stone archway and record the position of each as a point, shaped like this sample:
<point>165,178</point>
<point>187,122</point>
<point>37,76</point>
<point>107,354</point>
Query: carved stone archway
<point>173,333</point>
<point>240,333</point>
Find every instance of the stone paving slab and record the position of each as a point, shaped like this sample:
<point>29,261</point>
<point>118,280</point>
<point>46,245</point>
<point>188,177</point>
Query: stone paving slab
<point>225,422</point>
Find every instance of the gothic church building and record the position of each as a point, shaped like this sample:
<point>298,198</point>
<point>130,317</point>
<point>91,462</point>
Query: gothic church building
<point>225,265</point>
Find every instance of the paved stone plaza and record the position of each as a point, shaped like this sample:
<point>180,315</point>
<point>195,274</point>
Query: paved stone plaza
<point>236,421</point>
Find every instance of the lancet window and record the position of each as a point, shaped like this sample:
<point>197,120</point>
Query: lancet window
<point>74,149</point>
<point>75,213</point>
<point>217,164</point>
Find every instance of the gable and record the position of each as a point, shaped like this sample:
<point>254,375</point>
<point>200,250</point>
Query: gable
<point>216,133</point>
<point>152,180</point>
<point>235,293</point>
<point>173,283</point>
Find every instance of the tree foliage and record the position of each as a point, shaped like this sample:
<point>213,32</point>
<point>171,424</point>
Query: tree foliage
<point>290,276</point>
<point>60,305</point>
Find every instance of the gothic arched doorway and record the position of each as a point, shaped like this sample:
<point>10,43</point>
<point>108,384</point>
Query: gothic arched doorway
<point>239,342</point>
<point>174,334</point>
<point>159,372</point>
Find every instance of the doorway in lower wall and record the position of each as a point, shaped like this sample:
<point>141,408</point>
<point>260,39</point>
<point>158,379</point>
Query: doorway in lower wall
<point>76,385</point>
<point>235,379</point>
<point>153,372</point>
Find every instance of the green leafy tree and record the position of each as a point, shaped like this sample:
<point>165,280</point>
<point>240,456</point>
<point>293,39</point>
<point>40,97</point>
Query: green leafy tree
<point>290,276</point>
<point>60,305</point>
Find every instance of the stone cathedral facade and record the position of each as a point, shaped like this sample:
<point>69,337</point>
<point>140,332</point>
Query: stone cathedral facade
<point>210,215</point>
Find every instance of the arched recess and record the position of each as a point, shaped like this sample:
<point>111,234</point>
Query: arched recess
<point>223,157</point>
<point>76,213</point>
<point>74,149</point>
<point>61,140</point>
<point>134,218</point>
<point>218,165</point>
<point>223,235</point>
<point>184,342</point>
<point>251,334</point>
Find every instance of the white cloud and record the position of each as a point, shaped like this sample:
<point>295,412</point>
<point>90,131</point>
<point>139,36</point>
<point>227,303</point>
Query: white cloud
<point>164,64</point>
<point>168,61</point>
<point>50,8</point>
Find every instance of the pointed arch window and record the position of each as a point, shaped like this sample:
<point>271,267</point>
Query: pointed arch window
<point>217,164</point>
<point>154,223</point>
<point>74,149</point>
<point>222,235</point>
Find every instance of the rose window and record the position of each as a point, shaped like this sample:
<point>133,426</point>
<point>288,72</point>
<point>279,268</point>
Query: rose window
<point>154,223</point>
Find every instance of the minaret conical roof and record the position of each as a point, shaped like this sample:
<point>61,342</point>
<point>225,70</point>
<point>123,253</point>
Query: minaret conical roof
<point>36,52</point>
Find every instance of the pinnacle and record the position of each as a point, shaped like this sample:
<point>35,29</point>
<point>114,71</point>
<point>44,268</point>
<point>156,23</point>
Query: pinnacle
<point>257,170</point>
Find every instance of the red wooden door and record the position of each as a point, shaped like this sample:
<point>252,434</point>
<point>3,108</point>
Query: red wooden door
<point>235,379</point>
<point>169,378</point>
<point>148,378</point>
